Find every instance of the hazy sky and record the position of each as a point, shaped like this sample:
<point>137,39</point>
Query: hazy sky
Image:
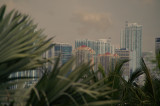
<point>93,19</point>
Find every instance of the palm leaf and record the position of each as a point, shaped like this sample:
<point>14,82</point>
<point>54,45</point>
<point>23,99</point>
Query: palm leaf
<point>21,43</point>
<point>60,89</point>
<point>135,75</point>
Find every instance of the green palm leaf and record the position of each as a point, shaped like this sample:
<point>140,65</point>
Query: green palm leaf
<point>76,88</point>
<point>21,43</point>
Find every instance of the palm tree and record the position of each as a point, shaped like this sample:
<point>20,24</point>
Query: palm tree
<point>21,46</point>
<point>129,92</point>
<point>80,87</point>
<point>152,83</point>
<point>133,94</point>
<point>21,43</point>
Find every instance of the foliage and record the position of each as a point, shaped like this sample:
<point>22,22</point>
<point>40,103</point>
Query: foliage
<point>80,87</point>
<point>21,43</point>
<point>21,48</point>
<point>134,94</point>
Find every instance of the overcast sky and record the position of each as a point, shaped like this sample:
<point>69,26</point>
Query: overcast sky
<point>93,19</point>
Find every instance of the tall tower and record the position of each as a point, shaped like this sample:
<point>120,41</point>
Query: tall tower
<point>132,40</point>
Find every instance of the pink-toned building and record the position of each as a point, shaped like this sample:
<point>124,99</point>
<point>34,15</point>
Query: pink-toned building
<point>84,54</point>
<point>107,61</point>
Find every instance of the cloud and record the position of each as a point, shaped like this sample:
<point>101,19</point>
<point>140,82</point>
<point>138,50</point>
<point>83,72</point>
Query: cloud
<point>97,22</point>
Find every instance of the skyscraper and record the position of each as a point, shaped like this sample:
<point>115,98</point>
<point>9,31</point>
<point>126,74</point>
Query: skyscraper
<point>131,38</point>
<point>157,45</point>
<point>100,46</point>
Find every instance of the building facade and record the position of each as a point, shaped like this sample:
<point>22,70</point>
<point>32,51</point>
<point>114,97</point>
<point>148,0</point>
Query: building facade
<point>107,61</point>
<point>100,46</point>
<point>33,76</point>
<point>124,54</point>
<point>84,54</point>
<point>62,50</point>
<point>131,39</point>
<point>59,49</point>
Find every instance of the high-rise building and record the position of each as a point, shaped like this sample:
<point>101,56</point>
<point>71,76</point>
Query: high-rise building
<point>84,54</point>
<point>59,49</point>
<point>157,45</point>
<point>107,61</point>
<point>63,50</point>
<point>124,55</point>
<point>131,38</point>
<point>100,46</point>
<point>33,76</point>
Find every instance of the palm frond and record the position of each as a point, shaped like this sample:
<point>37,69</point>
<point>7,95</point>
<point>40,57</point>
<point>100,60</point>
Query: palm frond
<point>76,88</point>
<point>135,75</point>
<point>21,43</point>
<point>148,83</point>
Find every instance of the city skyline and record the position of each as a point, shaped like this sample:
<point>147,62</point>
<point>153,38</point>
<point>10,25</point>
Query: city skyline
<point>79,52</point>
<point>76,19</point>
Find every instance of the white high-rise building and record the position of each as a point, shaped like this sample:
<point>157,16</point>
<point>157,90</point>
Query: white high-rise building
<point>131,38</point>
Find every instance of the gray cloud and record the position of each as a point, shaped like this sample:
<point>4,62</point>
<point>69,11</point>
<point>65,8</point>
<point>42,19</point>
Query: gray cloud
<point>89,21</point>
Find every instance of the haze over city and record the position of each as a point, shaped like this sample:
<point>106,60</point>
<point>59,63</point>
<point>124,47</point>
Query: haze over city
<point>79,52</point>
<point>69,20</point>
